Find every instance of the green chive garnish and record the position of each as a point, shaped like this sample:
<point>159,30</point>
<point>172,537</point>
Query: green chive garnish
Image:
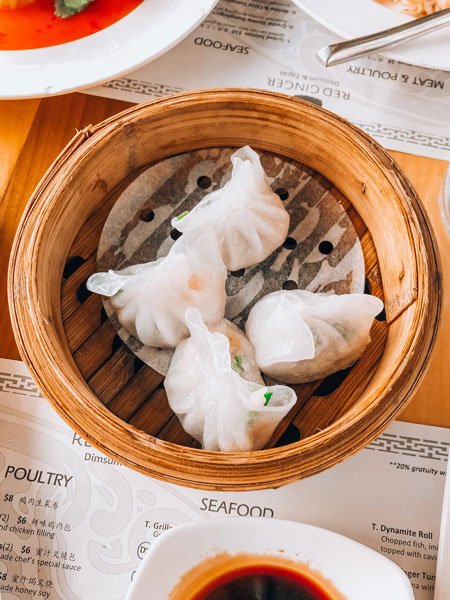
<point>267,396</point>
<point>183,214</point>
<point>237,363</point>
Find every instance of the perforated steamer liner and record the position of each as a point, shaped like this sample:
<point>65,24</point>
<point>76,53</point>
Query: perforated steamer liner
<point>321,253</point>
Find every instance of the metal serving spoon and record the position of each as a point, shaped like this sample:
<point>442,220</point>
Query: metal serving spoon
<point>344,51</point>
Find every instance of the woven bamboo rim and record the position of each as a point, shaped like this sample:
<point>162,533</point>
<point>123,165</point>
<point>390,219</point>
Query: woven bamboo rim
<point>102,156</point>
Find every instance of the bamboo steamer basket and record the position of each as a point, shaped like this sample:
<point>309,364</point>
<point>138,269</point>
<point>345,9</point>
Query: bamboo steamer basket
<point>53,323</point>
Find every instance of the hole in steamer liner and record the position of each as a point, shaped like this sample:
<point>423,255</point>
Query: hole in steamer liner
<point>289,243</point>
<point>325,247</point>
<point>146,215</point>
<point>175,234</point>
<point>282,193</point>
<point>289,285</point>
<point>238,273</point>
<point>204,182</point>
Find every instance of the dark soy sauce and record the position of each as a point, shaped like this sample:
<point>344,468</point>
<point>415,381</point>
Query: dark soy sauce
<point>262,583</point>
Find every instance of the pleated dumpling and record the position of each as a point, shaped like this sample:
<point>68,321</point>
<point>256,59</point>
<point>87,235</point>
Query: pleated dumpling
<point>302,336</point>
<point>248,218</point>
<point>150,299</point>
<point>242,353</point>
<point>215,405</point>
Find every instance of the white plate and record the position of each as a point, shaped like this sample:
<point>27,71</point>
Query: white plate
<point>353,18</point>
<point>356,571</point>
<point>143,35</point>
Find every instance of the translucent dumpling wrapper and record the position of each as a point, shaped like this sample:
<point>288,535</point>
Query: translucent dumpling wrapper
<point>301,336</point>
<point>150,299</point>
<point>242,353</point>
<point>248,218</point>
<point>215,405</point>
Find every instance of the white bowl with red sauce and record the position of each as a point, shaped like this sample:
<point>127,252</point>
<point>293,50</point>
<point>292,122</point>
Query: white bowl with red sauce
<point>42,55</point>
<point>250,558</point>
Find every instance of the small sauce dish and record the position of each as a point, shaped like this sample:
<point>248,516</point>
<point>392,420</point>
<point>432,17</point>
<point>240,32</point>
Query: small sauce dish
<point>195,561</point>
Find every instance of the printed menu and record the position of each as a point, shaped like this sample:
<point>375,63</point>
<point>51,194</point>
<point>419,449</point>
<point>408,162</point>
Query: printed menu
<point>272,44</point>
<point>75,524</point>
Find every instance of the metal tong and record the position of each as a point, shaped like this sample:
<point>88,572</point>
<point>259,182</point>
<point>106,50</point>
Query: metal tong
<point>345,51</point>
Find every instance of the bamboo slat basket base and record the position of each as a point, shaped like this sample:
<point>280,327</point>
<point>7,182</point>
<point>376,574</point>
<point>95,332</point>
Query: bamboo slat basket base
<point>115,401</point>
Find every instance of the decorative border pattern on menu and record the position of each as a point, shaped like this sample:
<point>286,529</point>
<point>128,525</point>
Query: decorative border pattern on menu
<point>386,132</point>
<point>136,86</point>
<point>19,384</point>
<point>410,446</point>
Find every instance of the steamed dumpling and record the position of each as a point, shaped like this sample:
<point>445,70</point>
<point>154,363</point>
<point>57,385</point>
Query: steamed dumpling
<point>215,405</point>
<point>150,299</point>
<point>242,353</point>
<point>248,218</point>
<point>302,336</point>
